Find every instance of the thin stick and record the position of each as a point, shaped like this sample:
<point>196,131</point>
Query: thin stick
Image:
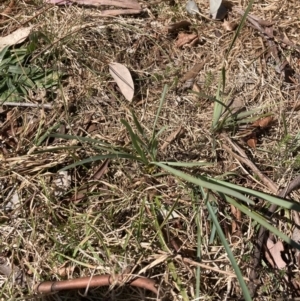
<point>244,159</point>
<point>199,264</point>
<point>263,232</point>
<point>25,104</point>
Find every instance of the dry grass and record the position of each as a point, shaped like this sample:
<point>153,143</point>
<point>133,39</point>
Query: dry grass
<point>112,230</point>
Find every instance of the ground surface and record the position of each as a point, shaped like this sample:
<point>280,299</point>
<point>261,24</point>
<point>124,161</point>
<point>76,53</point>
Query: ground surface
<point>56,236</point>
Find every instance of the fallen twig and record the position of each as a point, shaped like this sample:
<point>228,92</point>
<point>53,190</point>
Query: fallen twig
<point>244,159</point>
<point>25,104</point>
<point>210,268</point>
<point>79,195</point>
<point>94,281</point>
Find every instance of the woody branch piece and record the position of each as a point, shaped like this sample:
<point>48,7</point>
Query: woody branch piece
<point>95,281</point>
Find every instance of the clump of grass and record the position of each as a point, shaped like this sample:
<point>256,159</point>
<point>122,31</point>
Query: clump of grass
<point>18,76</point>
<point>145,150</point>
<point>118,225</point>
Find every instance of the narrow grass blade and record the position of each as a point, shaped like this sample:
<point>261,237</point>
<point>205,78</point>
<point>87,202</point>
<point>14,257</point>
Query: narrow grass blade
<point>188,164</point>
<point>163,96</point>
<point>218,108</point>
<point>204,182</point>
<point>101,157</point>
<point>46,135</point>
<point>165,248</point>
<point>212,98</point>
<point>238,30</point>
<point>199,244</point>
<point>80,263</point>
<point>3,53</point>
<point>139,127</point>
<point>229,252</point>
<point>160,132</point>
<point>135,141</point>
<point>207,197</point>
<point>288,204</point>
<point>262,221</point>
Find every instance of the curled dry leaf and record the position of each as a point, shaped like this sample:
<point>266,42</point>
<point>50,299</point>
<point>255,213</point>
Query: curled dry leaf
<point>175,27</point>
<point>229,26</point>
<point>252,141</point>
<point>123,79</point>
<point>274,251</point>
<point>287,41</point>
<point>184,38</point>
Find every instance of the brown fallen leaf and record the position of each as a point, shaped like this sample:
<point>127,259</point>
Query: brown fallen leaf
<point>229,26</point>
<point>196,89</point>
<point>235,223</point>
<point>273,254</point>
<point>284,39</point>
<point>172,137</point>
<point>123,78</point>
<point>237,105</point>
<point>269,32</point>
<point>7,10</point>
<point>192,73</point>
<point>263,122</point>
<point>175,27</point>
<point>184,39</point>
<point>252,142</point>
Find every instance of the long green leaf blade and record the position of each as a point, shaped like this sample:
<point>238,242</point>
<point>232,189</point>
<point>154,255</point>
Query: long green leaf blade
<point>229,252</point>
<point>204,182</point>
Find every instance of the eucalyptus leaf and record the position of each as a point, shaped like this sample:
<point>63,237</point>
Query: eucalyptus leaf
<point>217,10</point>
